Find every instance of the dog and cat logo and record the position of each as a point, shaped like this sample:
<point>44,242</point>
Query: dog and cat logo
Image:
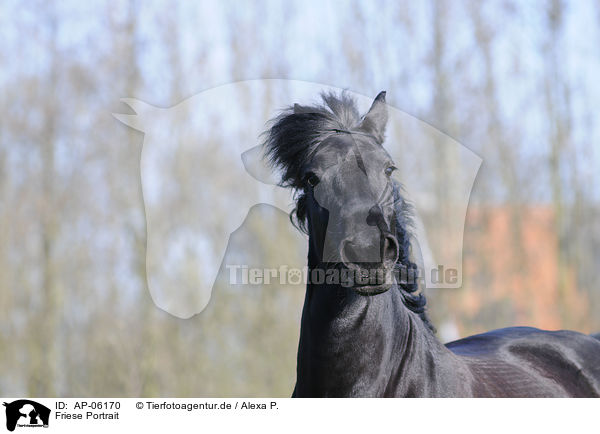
<point>26,413</point>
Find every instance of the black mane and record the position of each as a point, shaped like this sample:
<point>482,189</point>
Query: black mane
<point>289,143</point>
<point>295,134</point>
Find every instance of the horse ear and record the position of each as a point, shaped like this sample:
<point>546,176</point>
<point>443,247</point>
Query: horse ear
<point>375,120</point>
<point>297,108</point>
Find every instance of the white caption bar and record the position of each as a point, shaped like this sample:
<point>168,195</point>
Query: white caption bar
<point>101,415</point>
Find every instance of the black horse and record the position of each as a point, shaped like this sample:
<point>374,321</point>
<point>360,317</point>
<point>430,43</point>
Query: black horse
<point>364,330</point>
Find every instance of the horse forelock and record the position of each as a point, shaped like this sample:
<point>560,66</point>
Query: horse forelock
<point>297,131</point>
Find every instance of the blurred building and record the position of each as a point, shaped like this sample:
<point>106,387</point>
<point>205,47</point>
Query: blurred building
<point>513,254</point>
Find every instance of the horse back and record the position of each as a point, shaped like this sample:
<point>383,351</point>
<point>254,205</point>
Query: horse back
<point>525,361</point>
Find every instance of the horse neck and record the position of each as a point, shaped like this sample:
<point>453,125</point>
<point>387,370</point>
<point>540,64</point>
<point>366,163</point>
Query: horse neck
<point>351,345</point>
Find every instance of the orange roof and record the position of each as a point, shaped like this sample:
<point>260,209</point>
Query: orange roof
<point>511,254</point>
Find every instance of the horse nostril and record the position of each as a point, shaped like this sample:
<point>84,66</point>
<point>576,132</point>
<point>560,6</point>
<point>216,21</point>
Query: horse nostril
<point>390,250</point>
<point>375,216</point>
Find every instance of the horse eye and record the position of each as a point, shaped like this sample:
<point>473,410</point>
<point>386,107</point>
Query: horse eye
<point>390,170</point>
<point>312,180</point>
